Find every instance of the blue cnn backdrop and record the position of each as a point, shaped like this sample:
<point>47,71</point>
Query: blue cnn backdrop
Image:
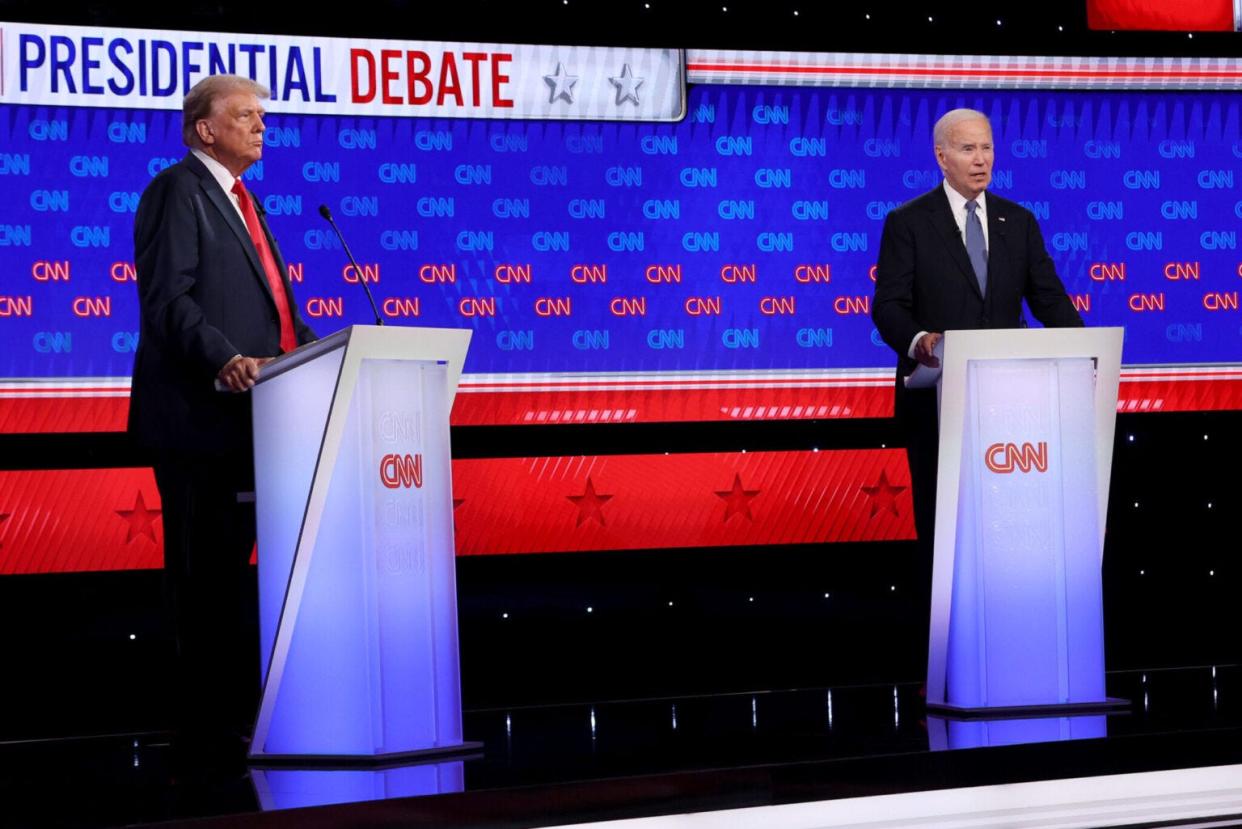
<point>742,238</point>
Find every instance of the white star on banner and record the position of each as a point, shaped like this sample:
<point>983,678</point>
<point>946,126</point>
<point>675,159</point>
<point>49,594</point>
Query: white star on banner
<point>562,84</point>
<point>627,86</point>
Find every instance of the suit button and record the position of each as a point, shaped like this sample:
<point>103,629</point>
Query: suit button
<point>983,321</point>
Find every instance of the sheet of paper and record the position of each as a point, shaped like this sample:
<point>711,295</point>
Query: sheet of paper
<point>924,377</point>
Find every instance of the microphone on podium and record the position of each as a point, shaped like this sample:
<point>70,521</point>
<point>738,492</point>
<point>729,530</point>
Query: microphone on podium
<point>327,214</point>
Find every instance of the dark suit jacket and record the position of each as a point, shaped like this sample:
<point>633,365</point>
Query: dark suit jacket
<point>203,298</point>
<point>924,280</point>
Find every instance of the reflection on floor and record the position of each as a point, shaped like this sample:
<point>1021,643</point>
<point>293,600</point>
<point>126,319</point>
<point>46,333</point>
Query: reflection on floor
<point>569,764</point>
<point>1184,798</point>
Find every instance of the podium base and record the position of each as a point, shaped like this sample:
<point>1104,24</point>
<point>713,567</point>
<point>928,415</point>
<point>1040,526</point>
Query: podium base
<point>1012,712</point>
<point>459,751</point>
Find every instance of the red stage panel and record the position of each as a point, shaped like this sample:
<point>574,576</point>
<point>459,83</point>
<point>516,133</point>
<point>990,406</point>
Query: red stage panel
<point>70,520</point>
<point>626,502</point>
<point>109,519</point>
<point>58,413</point>
<point>1162,15</point>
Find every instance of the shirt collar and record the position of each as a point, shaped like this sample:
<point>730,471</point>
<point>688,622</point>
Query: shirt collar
<point>957,202</point>
<point>218,171</point>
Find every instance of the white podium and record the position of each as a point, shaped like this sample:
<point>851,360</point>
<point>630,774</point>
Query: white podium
<point>1027,418</point>
<point>357,587</point>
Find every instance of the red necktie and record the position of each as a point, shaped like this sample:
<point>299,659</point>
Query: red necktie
<point>288,340</point>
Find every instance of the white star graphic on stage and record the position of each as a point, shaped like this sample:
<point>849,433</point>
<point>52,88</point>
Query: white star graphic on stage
<point>627,86</point>
<point>562,84</point>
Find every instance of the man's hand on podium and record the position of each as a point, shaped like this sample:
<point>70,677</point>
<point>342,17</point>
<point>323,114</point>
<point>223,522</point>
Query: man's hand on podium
<point>241,373</point>
<point>924,351</point>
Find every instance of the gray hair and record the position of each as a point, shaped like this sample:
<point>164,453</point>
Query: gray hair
<point>940,134</point>
<point>201,99</point>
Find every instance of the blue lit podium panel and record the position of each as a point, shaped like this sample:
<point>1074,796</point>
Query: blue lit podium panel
<point>1026,441</point>
<point>357,591</point>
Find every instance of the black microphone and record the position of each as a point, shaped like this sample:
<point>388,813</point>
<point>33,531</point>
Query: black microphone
<point>327,214</point>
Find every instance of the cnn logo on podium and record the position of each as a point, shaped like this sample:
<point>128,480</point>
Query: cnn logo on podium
<point>1006,458</point>
<point>401,471</point>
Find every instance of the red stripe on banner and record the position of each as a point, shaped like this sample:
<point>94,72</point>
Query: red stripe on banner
<point>929,71</point>
<point>639,502</point>
<point>1183,390</point>
<point>73,520</point>
<point>775,381</point>
<point>1180,395</point>
<point>669,405</point>
<point>74,391</point>
<point>1190,374</point>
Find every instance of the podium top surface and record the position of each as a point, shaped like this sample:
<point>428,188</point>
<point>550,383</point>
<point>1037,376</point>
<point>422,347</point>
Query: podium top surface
<point>446,345</point>
<point>1025,343</point>
<point>303,354</point>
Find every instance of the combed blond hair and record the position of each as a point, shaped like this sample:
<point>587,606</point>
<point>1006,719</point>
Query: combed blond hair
<point>201,99</point>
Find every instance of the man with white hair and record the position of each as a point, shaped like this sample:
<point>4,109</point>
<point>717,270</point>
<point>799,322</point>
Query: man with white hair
<point>956,258</point>
<point>215,304</point>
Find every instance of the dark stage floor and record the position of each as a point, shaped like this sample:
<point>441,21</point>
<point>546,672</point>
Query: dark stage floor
<point>613,759</point>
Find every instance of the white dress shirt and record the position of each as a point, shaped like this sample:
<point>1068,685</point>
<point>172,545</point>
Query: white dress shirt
<point>957,204</point>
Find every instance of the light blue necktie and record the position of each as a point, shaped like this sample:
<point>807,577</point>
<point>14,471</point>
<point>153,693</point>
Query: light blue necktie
<point>976,248</point>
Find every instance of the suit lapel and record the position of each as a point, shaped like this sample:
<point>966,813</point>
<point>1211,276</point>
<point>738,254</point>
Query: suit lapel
<point>223,204</point>
<point>946,227</point>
